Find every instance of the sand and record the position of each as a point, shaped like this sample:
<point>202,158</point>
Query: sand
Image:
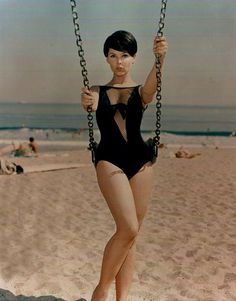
<point>54,226</point>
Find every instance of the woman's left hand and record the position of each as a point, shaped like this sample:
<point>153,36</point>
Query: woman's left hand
<point>160,46</point>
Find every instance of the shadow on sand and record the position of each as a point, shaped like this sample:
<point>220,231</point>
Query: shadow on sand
<point>8,296</point>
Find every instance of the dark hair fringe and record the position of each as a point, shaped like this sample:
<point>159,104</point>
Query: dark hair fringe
<point>121,40</point>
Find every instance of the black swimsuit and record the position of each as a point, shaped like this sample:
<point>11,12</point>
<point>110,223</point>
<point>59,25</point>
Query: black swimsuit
<point>121,142</point>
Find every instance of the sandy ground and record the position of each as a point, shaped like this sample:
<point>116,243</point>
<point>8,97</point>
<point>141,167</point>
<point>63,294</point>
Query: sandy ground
<point>54,226</point>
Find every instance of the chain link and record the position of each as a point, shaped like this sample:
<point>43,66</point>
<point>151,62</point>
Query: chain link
<point>84,73</point>
<point>159,80</point>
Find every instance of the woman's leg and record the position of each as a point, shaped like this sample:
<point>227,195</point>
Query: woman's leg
<point>117,192</point>
<point>7,149</point>
<point>141,185</point>
<point>125,275</point>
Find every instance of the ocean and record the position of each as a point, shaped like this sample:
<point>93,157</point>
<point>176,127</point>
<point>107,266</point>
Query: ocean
<point>68,122</point>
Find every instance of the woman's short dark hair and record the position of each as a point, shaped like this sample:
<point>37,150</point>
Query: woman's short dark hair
<point>121,40</point>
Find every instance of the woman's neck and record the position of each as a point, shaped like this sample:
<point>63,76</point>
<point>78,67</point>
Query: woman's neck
<point>121,81</point>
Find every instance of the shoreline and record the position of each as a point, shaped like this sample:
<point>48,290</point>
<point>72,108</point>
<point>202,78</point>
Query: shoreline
<point>169,141</point>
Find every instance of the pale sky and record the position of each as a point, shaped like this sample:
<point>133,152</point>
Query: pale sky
<point>38,56</point>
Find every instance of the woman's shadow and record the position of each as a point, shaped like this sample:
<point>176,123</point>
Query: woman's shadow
<point>8,296</point>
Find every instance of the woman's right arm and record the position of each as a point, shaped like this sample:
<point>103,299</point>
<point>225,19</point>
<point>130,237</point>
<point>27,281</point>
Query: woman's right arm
<point>148,90</point>
<point>89,97</point>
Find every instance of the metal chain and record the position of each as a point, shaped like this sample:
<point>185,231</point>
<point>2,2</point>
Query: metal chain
<point>159,81</point>
<point>84,73</point>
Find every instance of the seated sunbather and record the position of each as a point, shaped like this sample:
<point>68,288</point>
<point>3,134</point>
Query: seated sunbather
<point>21,149</point>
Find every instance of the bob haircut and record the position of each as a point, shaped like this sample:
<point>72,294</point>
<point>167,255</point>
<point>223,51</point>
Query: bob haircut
<point>121,41</point>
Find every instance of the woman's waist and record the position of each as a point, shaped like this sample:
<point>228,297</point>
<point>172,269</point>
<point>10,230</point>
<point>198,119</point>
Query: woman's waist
<point>121,144</point>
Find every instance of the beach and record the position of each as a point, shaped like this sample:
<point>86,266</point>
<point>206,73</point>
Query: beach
<point>55,225</point>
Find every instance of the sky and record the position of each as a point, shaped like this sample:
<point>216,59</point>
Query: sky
<point>39,62</point>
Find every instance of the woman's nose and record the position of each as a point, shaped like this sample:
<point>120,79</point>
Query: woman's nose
<point>119,61</point>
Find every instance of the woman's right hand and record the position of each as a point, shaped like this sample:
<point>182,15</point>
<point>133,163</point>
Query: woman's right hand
<point>87,98</point>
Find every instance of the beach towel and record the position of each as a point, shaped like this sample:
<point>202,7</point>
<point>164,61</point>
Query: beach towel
<point>9,168</point>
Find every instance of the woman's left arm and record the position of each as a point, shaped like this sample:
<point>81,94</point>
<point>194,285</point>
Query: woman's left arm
<point>148,90</point>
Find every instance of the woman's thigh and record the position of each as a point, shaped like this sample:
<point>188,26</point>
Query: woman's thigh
<point>141,186</point>
<point>117,192</point>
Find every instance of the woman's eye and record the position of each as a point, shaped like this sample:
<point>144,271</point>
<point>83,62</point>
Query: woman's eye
<point>125,55</point>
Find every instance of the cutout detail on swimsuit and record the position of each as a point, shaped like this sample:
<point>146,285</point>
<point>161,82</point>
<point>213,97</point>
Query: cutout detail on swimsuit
<point>119,99</point>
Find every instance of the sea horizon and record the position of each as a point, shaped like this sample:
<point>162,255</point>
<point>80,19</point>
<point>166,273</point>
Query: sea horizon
<point>68,122</point>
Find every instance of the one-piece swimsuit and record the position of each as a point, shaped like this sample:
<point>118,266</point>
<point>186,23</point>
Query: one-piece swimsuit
<point>119,123</point>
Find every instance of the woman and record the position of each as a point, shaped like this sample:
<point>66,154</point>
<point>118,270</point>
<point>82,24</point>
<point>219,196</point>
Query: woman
<point>123,160</point>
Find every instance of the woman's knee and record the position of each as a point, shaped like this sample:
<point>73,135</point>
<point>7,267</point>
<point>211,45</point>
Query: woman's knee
<point>128,233</point>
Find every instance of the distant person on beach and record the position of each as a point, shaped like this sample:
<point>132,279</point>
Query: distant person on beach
<point>25,149</point>
<point>33,145</point>
<point>122,159</point>
<point>181,153</point>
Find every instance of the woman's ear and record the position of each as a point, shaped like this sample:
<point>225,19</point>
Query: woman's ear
<point>134,58</point>
<point>107,59</point>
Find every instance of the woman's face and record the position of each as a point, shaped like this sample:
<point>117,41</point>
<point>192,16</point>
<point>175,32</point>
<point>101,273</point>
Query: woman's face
<point>120,62</point>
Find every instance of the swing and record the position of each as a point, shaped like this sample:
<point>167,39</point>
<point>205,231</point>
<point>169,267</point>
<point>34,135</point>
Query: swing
<point>153,143</point>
